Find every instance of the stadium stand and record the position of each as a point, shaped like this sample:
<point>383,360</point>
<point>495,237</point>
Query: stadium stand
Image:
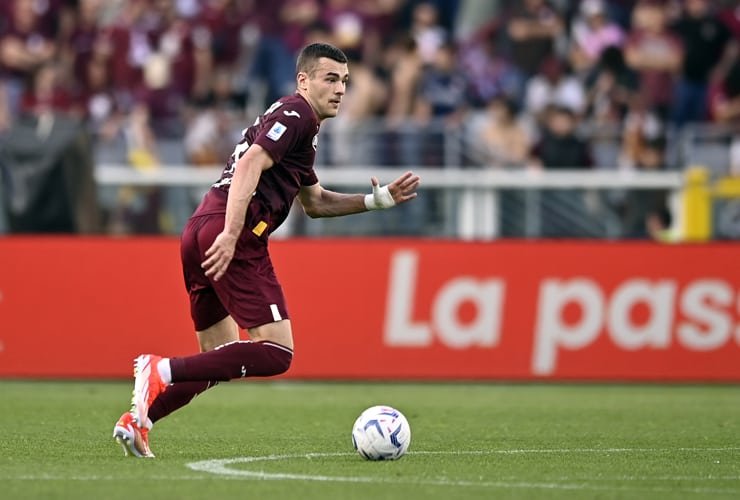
<point>160,85</point>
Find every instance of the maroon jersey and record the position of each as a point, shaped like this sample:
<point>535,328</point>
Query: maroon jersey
<point>288,131</point>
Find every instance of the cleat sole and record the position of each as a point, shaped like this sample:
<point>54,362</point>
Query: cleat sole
<point>128,446</point>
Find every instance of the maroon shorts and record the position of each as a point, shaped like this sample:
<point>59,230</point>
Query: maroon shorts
<point>249,290</point>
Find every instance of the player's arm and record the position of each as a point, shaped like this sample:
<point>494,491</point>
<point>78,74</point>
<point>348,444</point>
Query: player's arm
<point>320,202</point>
<point>247,174</point>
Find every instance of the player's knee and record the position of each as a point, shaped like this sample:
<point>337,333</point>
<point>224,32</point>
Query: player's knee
<point>277,359</point>
<point>283,361</point>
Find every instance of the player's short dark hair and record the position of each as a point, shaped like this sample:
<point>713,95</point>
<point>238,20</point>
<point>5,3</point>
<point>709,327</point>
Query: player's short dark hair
<point>310,55</point>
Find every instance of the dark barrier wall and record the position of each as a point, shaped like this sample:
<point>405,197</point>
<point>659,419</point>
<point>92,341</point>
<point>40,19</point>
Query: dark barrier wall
<point>46,172</point>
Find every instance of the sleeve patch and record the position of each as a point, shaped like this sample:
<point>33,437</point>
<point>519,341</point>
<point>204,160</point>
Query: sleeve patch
<point>277,130</point>
<point>260,228</point>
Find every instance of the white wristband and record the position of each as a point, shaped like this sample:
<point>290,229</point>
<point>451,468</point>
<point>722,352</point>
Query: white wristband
<point>380,198</point>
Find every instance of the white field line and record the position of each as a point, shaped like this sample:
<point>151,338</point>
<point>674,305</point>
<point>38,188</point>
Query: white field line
<point>221,467</point>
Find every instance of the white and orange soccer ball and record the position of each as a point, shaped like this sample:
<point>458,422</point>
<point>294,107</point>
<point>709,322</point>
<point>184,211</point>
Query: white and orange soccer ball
<point>381,433</point>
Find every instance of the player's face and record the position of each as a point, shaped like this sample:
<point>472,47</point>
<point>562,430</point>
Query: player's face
<point>324,88</point>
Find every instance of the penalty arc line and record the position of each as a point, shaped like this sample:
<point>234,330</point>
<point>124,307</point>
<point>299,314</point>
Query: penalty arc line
<point>221,467</point>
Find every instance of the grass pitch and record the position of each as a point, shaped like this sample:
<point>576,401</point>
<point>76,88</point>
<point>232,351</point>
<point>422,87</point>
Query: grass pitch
<point>289,440</point>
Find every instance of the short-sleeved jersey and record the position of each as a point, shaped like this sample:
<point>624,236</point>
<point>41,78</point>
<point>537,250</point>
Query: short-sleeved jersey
<point>288,131</point>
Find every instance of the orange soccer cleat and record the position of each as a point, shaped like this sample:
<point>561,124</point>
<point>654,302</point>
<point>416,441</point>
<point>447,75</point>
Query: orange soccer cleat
<point>147,386</point>
<point>133,439</point>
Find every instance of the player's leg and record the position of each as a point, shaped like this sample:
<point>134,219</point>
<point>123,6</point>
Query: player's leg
<point>163,385</point>
<point>250,293</point>
<point>254,298</point>
<point>178,395</point>
<point>213,327</point>
<point>268,353</point>
<point>223,332</point>
<point>278,332</point>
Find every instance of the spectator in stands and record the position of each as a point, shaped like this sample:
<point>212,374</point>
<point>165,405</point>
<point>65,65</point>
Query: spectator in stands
<point>139,210</point>
<point>382,20</point>
<point>724,101</point>
<point>213,123</point>
<point>533,29</point>
<point>361,26</point>
<point>403,65</point>
<point>644,209</point>
<point>164,104</point>
<point>185,49</point>
<point>47,95</point>
<point>348,26</point>
<point>592,32</point>
<point>354,133</point>
<point>441,101</point>
<point>79,49</point>
<point>610,88</point>
<point>26,43</point>
<point>501,142</point>
<point>559,147</point>
<point>553,85</point>
<point>658,225</point>
<point>655,53</point>
<point>427,31</point>
<point>226,24</point>
<point>442,88</point>
<point>490,72</point>
<point>126,44</point>
<point>351,28</point>
<point>641,125</point>
<point>506,143</point>
<point>282,26</point>
<point>706,41</point>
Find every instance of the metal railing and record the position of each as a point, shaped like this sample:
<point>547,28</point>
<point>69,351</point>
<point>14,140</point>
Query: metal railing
<point>461,196</point>
<point>455,202</point>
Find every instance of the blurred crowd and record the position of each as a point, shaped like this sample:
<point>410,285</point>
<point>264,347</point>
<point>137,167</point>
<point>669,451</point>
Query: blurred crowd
<point>522,78</point>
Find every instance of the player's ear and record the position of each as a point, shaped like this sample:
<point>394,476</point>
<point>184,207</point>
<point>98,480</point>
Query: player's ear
<point>302,80</point>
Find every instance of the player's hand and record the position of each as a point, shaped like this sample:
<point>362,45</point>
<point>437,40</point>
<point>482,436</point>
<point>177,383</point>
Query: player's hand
<point>219,255</point>
<point>402,189</point>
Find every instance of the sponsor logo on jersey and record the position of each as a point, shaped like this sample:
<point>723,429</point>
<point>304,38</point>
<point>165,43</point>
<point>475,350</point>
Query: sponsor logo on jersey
<point>277,130</point>
<point>292,113</point>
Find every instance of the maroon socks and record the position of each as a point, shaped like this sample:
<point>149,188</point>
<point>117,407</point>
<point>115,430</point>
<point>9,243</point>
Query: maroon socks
<point>232,360</point>
<point>176,396</point>
<point>192,375</point>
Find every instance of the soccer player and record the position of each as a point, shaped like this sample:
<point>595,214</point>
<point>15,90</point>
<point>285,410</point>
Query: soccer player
<point>226,264</point>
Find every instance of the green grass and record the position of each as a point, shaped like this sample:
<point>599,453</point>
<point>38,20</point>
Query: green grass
<point>469,441</point>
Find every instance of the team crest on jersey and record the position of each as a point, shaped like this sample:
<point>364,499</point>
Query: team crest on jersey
<point>315,142</point>
<point>277,130</point>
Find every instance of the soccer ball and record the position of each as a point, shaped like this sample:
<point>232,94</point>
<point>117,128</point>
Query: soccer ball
<point>381,433</point>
